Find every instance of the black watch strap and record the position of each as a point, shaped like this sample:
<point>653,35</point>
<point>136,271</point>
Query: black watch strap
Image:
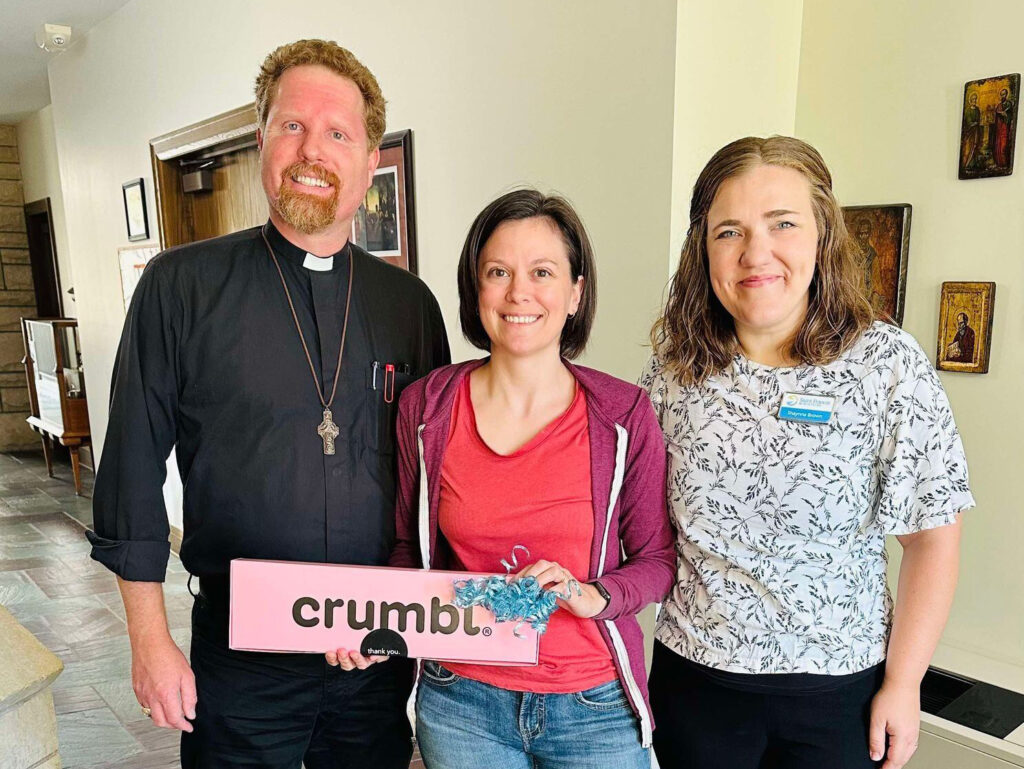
<point>601,589</point>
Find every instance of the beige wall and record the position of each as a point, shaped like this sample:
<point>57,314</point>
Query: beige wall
<point>571,96</point>
<point>40,176</point>
<point>880,94</point>
<point>736,75</point>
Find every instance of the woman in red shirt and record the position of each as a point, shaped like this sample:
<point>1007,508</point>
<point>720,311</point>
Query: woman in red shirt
<point>524,448</point>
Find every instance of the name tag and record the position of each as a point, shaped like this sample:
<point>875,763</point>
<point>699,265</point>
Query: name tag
<point>812,409</point>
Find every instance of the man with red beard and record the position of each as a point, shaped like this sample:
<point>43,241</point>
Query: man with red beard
<point>271,360</point>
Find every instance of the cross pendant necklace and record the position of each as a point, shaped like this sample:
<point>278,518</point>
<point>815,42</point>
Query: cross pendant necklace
<point>327,430</point>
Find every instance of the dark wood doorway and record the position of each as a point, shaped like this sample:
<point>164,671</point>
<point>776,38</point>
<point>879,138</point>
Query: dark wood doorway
<point>42,252</point>
<point>225,146</point>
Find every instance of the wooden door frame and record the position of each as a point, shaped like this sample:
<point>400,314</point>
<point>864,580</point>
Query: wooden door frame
<point>42,206</point>
<point>227,132</point>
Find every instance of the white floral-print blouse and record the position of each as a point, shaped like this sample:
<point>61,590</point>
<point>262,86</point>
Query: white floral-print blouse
<point>782,525</point>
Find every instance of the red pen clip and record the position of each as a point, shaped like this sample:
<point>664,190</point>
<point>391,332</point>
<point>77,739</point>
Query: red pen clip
<point>389,382</point>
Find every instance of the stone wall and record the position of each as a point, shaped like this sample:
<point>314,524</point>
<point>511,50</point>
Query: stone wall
<point>17,299</point>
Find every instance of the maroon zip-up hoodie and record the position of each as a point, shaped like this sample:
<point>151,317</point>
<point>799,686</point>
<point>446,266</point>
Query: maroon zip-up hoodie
<point>632,552</point>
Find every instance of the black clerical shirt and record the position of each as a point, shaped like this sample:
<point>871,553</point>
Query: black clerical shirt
<point>210,363</point>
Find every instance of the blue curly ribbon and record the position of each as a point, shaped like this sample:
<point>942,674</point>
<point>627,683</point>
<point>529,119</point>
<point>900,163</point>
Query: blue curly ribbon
<point>519,601</point>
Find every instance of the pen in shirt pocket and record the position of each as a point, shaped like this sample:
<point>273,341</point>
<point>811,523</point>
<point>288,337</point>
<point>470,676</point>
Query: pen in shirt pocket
<point>388,369</point>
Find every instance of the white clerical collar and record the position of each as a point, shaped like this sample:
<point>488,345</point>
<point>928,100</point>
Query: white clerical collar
<point>318,263</point>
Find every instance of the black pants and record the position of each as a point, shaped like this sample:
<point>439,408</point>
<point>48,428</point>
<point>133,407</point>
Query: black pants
<point>703,723</point>
<point>275,711</point>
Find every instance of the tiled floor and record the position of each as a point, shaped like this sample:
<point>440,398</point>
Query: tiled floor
<point>71,604</point>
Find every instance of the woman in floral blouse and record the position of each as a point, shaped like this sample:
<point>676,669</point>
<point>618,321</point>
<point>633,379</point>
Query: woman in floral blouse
<point>801,432</point>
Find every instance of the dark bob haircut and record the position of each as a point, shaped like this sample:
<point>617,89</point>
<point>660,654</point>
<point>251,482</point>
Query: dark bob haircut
<point>527,204</point>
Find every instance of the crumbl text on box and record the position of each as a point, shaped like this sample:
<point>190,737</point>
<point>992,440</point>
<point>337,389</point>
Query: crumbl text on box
<point>444,618</point>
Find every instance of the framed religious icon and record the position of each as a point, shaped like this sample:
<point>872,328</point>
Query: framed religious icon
<point>134,194</point>
<point>881,235</point>
<point>385,225</point>
<point>965,327</point>
<point>989,126</point>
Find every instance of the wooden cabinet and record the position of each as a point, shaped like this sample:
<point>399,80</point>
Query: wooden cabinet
<point>56,387</point>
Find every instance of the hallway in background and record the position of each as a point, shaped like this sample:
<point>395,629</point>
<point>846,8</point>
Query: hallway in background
<point>71,604</point>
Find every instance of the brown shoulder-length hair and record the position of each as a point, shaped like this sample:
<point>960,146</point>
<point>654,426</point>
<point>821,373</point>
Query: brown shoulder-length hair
<point>527,204</point>
<point>695,336</point>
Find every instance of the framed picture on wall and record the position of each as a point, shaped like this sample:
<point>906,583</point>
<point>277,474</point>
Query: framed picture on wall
<point>385,225</point>
<point>989,126</point>
<point>965,327</point>
<point>134,193</point>
<point>882,238</point>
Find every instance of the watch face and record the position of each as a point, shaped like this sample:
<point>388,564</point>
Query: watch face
<point>600,589</point>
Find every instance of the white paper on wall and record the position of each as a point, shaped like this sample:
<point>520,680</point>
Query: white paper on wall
<point>133,261</point>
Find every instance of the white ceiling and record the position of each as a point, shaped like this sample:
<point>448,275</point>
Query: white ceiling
<point>24,87</point>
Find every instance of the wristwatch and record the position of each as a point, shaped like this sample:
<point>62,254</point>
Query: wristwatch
<point>604,593</point>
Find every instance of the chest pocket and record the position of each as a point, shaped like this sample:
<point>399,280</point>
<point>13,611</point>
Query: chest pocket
<point>384,385</point>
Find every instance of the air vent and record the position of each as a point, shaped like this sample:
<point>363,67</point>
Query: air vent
<point>974,704</point>
<point>940,688</point>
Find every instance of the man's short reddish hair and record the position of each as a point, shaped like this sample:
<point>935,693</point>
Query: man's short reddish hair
<point>324,53</point>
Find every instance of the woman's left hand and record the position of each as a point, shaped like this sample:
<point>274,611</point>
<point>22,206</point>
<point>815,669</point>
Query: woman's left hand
<point>896,712</point>
<point>586,602</point>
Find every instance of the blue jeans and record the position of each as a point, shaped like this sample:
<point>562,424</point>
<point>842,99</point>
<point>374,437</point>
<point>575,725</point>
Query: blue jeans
<point>465,724</point>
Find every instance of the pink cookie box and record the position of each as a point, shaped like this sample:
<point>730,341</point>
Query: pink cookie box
<point>285,606</point>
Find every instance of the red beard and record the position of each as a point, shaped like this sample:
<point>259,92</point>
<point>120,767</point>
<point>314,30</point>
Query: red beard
<point>307,213</point>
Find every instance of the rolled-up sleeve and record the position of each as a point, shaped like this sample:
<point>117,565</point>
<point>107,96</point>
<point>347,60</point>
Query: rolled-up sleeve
<point>131,529</point>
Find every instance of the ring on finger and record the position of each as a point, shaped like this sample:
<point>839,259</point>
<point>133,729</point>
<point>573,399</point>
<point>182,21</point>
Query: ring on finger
<point>147,712</point>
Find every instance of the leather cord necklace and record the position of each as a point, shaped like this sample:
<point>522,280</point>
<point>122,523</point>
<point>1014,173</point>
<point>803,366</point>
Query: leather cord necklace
<point>327,430</point>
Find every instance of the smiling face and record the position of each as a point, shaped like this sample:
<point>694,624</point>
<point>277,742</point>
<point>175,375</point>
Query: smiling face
<point>526,290</point>
<point>762,244</point>
<point>315,164</point>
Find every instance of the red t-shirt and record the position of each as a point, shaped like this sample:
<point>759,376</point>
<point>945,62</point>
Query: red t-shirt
<point>538,497</point>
